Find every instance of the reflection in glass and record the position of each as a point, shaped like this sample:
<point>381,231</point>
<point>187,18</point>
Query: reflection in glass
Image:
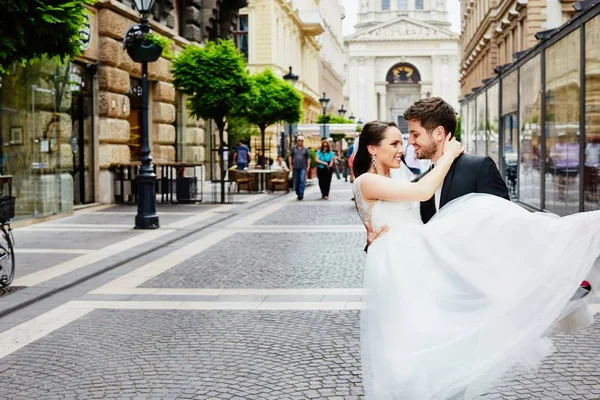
<point>591,168</point>
<point>493,123</point>
<point>469,140</point>
<point>530,180</point>
<point>463,121</point>
<point>480,135</point>
<point>562,127</point>
<point>36,137</point>
<point>511,141</point>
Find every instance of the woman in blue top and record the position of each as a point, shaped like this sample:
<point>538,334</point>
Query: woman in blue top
<point>325,160</point>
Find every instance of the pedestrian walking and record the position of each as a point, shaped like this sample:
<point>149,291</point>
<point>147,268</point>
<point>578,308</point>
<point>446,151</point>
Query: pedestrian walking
<point>325,160</point>
<point>299,160</point>
<point>242,156</point>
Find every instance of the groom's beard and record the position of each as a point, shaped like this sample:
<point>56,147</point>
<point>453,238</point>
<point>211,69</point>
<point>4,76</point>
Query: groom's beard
<point>427,152</point>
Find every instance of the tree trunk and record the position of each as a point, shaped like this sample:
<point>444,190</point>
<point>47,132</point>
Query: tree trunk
<point>262,141</point>
<point>221,128</point>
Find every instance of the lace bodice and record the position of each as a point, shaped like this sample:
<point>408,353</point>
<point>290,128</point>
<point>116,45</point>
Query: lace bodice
<point>392,214</point>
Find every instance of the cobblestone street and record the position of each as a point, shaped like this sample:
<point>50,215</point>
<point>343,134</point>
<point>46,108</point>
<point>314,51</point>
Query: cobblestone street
<point>256,300</point>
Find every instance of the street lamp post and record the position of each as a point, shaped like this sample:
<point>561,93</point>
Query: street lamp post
<point>324,104</point>
<point>352,117</point>
<point>342,111</point>
<point>292,78</point>
<point>146,217</point>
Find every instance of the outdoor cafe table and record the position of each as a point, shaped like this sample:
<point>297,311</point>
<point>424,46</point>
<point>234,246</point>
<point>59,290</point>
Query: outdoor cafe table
<point>261,173</point>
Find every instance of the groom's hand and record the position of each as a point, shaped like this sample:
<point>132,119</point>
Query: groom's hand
<point>372,235</point>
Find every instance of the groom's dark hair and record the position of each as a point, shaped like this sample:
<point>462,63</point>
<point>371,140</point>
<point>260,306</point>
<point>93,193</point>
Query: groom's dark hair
<point>432,112</point>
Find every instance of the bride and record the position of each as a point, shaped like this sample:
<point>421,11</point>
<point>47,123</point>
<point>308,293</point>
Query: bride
<point>451,305</point>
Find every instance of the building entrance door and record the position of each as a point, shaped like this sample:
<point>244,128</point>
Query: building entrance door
<point>82,143</point>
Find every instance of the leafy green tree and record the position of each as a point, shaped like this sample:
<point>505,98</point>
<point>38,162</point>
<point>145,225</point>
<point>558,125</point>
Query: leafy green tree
<point>215,79</point>
<point>458,132</point>
<point>238,128</point>
<point>272,100</point>
<point>334,119</point>
<point>31,29</point>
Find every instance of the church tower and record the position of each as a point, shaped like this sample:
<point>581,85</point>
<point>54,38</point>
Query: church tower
<point>402,50</point>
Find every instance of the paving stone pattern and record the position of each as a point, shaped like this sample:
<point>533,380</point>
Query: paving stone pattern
<point>572,373</point>
<point>313,214</point>
<point>28,263</point>
<point>72,239</point>
<point>339,192</point>
<point>273,260</point>
<point>149,354</point>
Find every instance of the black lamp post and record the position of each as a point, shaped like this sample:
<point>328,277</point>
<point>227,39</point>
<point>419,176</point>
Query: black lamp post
<point>324,104</point>
<point>292,78</point>
<point>360,122</point>
<point>342,111</point>
<point>352,117</point>
<point>146,217</point>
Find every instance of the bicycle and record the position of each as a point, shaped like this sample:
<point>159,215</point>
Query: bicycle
<point>7,255</point>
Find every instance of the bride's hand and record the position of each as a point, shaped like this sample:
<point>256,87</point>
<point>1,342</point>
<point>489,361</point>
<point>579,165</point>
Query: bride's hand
<point>452,147</point>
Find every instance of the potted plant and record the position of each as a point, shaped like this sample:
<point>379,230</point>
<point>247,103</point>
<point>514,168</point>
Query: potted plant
<point>145,46</point>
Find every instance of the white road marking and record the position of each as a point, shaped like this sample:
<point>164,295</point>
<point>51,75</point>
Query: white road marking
<point>87,259</point>
<point>20,250</point>
<point>160,265</point>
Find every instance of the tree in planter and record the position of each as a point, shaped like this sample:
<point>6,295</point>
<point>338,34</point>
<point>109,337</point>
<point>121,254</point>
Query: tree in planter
<point>31,29</point>
<point>271,100</point>
<point>215,79</point>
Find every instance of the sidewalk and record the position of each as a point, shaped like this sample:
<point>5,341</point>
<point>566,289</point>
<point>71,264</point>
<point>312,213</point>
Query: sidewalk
<point>262,305</point>
<point>54,255</point>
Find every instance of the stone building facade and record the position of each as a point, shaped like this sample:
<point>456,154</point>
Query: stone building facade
<point>401,51</point>
<point>333,59</point>
<point>64,127</point>
<point>494,30</point>
<point>279,34</point>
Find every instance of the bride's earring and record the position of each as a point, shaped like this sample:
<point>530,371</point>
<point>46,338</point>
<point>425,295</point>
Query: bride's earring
<point>374,161</point>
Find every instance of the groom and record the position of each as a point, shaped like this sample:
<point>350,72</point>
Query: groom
<point>430,120</point>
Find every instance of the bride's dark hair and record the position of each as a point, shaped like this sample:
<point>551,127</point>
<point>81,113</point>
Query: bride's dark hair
<point>371,135</point>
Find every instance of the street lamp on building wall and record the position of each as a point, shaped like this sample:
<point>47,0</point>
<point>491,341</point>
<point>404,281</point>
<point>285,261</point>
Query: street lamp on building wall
<point>146,217</point>
<point>324,104</point>
<point>292,78</point>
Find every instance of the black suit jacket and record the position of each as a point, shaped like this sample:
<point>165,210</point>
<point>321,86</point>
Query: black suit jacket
<point>468,174</point>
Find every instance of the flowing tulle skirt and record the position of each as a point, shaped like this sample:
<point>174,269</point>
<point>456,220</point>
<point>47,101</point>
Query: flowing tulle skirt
<point>451,306</point>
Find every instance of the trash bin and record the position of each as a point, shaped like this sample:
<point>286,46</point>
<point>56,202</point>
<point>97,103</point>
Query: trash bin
<point>185,189</point>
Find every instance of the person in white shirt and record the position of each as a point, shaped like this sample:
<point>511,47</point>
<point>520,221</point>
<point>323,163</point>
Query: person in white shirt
<point>279,165</point>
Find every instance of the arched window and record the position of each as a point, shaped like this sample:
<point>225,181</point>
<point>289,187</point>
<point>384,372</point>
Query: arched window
<point>403,73</point>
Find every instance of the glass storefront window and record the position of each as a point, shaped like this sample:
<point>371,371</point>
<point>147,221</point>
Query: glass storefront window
<point>36,143</point>
<point>530,181</point>
<point>493,122</point>
<point>509,117</point>
<point>562,125</point>
<point>591,168</point>
<point>463,121</point>
<point>469,140</point>
<point>480,134</point>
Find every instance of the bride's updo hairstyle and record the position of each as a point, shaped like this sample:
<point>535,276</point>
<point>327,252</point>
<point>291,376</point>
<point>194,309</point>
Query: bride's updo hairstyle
<point>372,134</point>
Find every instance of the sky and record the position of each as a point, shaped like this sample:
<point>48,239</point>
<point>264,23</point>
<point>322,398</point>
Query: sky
<point>352,9</point>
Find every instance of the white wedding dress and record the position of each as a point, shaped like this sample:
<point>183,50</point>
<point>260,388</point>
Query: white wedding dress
<point>452,305</point>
